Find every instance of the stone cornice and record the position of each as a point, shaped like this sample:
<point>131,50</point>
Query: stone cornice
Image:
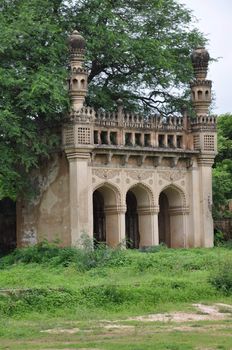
<point>73,155</point>
<point>206,159</point>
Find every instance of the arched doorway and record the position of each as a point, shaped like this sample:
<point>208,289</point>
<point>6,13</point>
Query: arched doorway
<point>99,223</point>
<point>172,218</point>
<point>108,219</point>
<point>132,223</point>
<point>8,239</point>
<point>140,217</point>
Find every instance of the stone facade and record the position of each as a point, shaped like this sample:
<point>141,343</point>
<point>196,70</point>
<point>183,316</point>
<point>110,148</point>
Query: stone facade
<point>122,177</point>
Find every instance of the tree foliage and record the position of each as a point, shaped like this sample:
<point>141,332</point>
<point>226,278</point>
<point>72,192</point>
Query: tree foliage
<point>136,51</point>
<point>222,172</point>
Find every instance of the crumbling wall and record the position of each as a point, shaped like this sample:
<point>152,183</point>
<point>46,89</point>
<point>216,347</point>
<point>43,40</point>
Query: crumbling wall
<point>46,214</point>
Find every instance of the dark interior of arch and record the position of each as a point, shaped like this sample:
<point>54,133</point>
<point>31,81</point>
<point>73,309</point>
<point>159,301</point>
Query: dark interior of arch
<point>164,220</point>
<point>132,222</point>
<point>8,239</point>
<point>99,221</point>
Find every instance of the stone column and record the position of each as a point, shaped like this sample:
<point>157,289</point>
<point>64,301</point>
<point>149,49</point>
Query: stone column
<point>142,139</point>
<point>178,227</point>
<point>174,140</point>
<point>108,137</point>
<point>205,173</point>
<point>81,208</point>
<point>155,139</point>
<point>99,137</point>
<point>165,140</point>
<point>133,138</point>
<point>115,225</point>
<point>148,226</point>
<point>194,234</point>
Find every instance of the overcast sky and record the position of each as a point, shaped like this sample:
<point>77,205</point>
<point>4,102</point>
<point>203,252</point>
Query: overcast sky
<point>215,21</point>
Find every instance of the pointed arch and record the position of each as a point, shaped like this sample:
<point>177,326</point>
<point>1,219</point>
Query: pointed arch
<point>106,214</point>
<point>172,216</point>
<point>140,216</point>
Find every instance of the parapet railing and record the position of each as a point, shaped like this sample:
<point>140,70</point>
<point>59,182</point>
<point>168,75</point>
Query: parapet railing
<point>204,122</point>
<point>136,121</point>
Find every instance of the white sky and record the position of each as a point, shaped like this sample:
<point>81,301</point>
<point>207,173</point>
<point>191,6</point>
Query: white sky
<point>215,21</point>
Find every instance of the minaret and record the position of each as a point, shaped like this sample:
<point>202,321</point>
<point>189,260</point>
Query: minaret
<point>78,82</point>
<point>200,87</point>
<point>78,143</point>
<point>204,137</point>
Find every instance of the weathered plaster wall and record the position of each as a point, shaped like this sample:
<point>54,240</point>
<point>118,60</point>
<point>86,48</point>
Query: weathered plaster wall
<point>46,215</point>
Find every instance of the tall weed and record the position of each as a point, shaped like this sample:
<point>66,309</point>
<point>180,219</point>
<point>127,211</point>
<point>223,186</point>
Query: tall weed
<point>222,277</point>
<point>83,257</point>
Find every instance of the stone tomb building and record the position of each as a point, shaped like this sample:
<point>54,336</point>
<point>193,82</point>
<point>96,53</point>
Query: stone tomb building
<point>120,176</point>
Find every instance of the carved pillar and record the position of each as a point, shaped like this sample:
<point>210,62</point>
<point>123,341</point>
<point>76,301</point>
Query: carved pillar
<point>148,226</point>
<point>194,233</point>
<point>142,139</point>
<point>115,225</point>
<point>174,141</point>
<point>81,208</point>
<point>205,174</point>
<point>98,137</point>
<point>133,138</point>
<point>178,227</point>
<point>108,137</point>
<point>155,139</point>
<point>165,140</point>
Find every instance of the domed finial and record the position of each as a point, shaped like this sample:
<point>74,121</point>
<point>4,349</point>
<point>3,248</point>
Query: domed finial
<point>76,41</point>
<point>200,59</point>
<point>119,102</point>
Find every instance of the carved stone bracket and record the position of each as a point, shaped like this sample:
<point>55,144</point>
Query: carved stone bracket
<point>157,161</point>
<point>141,160</point>
<point>125,159</point>
<point>174,162</point>
<point>109,157</point>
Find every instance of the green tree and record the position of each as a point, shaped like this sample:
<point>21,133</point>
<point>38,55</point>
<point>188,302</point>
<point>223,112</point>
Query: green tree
<point>222,172</point>
<point>136,51</point>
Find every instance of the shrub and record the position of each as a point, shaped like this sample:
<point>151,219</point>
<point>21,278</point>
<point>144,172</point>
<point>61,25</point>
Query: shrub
<point>222,278</point>
<point>37,299</point>
<point>41,253</point>
<point>105,295</point>
<point>219,238</point>
<point>84,257</point>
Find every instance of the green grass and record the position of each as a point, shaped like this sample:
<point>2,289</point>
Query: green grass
<point>47,287</point>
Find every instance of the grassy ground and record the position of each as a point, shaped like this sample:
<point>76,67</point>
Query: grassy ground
<point>71,300</point>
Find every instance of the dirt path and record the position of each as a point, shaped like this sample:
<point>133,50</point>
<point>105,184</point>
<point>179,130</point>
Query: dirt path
<point>203,312</point>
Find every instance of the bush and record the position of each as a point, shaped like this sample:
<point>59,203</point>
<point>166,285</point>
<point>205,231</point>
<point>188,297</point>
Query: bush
<point>219,238</point>
<point>41,253</point>
<point>228,244</point>
<point>222,278</point>
<point>105,295</point>
<point>84,258</point>
<point>38,300</point>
